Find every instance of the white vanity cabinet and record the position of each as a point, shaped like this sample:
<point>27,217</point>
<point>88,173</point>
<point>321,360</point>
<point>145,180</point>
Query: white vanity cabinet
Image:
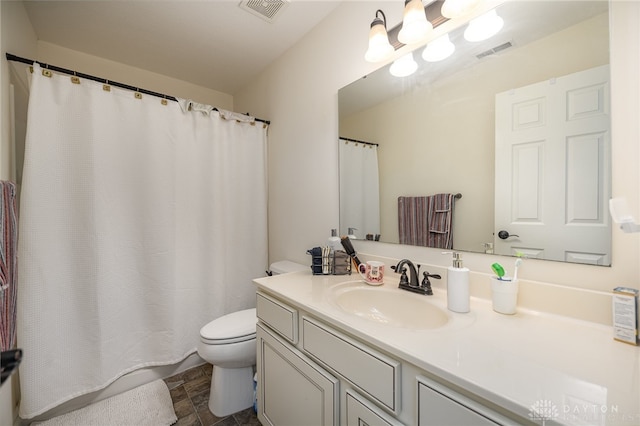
<point>313,373</point>
<point>292,389</point>
<point>305,368</point>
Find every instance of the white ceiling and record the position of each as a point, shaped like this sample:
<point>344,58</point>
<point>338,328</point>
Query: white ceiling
<point>211,43</point>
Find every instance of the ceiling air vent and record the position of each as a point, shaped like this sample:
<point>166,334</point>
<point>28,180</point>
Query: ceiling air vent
<point>264,9</point>
<point>494,50</point>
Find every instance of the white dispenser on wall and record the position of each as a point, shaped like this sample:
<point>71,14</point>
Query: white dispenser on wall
<point>457,286</point>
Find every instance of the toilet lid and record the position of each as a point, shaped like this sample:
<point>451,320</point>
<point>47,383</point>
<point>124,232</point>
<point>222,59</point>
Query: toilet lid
<point>233,327</point>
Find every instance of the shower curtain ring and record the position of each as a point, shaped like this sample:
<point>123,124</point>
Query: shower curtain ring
<point>46,72</point>
<point>75,79</point>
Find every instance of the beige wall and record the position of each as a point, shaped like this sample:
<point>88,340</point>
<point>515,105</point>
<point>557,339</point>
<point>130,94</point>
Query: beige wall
<point>154,81</point>
<point>428,133</point>
<point>18,38</point>
<point>299,94</point>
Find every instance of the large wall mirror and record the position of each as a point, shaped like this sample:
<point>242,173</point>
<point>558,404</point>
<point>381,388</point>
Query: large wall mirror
<point>517,126</point>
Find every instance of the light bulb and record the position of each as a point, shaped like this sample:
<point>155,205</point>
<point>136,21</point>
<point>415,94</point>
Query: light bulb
<point>379,46</point>
<point>439,49</point>
<point>484,26</point>
<point>403,66</point>
<point>456,8</point>
<point>415,26</point>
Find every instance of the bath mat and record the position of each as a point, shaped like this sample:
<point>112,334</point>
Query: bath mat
<point>148,404</point>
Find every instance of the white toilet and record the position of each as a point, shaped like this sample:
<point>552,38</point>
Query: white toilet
<point>229,343</point>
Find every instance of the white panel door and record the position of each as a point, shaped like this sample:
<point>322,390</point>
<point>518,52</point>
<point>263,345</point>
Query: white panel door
<point>552,169</point>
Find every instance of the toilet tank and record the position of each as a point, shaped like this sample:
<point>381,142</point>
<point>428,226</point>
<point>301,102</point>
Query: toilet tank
<point>285,266</point>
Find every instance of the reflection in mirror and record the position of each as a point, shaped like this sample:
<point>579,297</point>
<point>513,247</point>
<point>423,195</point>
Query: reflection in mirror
<point>518,124</point>
<point>360,194</point>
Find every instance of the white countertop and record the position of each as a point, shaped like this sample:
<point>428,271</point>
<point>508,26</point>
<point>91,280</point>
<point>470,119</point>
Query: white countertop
<point>516,361</point>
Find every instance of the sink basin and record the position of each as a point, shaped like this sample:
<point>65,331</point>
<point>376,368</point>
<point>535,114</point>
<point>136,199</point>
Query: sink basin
<point>390,306</point>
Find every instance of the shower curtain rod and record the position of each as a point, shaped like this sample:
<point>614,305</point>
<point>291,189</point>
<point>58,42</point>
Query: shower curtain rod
<point>357,141</point>
<point>15,58</point>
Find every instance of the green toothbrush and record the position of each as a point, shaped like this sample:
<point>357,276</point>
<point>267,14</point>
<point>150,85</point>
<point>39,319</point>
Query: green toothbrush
<point>498,269</point>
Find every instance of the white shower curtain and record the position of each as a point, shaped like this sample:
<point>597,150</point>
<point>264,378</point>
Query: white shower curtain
<point>359,188</point>
<point>139,224</point>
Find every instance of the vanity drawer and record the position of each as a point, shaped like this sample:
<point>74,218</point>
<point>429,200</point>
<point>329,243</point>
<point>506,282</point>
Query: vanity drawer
<point>282,318</point>
<point>359,412</point>
<point>440,406</point>
<point>372,372</point>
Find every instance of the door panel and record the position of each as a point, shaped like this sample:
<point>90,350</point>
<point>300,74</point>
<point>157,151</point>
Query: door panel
<point>552,168</point>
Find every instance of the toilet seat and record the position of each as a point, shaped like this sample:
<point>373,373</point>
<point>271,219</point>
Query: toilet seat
<point>231,328</point>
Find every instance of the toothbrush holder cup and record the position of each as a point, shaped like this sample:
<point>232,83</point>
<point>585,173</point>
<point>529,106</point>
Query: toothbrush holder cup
<point>504,295</point>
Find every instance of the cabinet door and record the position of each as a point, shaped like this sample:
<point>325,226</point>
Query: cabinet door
<point>292,389</point>
<point>440,406</point>
<point>360,412</point>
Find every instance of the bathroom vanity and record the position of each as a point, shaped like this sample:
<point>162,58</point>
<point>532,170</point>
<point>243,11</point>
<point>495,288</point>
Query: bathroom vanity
<point>335,351</point>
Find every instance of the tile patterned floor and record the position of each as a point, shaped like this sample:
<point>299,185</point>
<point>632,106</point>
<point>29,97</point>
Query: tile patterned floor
<point>190,394</point>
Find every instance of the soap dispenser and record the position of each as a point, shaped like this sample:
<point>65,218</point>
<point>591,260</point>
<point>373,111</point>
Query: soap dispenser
<point>352,234</point>
<point>458,286</point>
<point>334,241</point>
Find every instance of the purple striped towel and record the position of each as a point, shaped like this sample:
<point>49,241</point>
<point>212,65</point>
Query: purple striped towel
<point>8,264</point>
<point>426,221</point>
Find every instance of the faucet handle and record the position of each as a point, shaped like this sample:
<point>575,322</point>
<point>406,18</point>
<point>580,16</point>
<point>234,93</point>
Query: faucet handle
<point>428,275</point>
<point>426,284</point>
<point>403,271</point>
<point>403,278</point>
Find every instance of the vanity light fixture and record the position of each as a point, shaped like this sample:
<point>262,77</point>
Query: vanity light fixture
<point>379,46</point>
<point>484,26</point>
<point>415,26</point>
<point>403,66</point>
<point>438,49</point>
<point>456,8</point>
